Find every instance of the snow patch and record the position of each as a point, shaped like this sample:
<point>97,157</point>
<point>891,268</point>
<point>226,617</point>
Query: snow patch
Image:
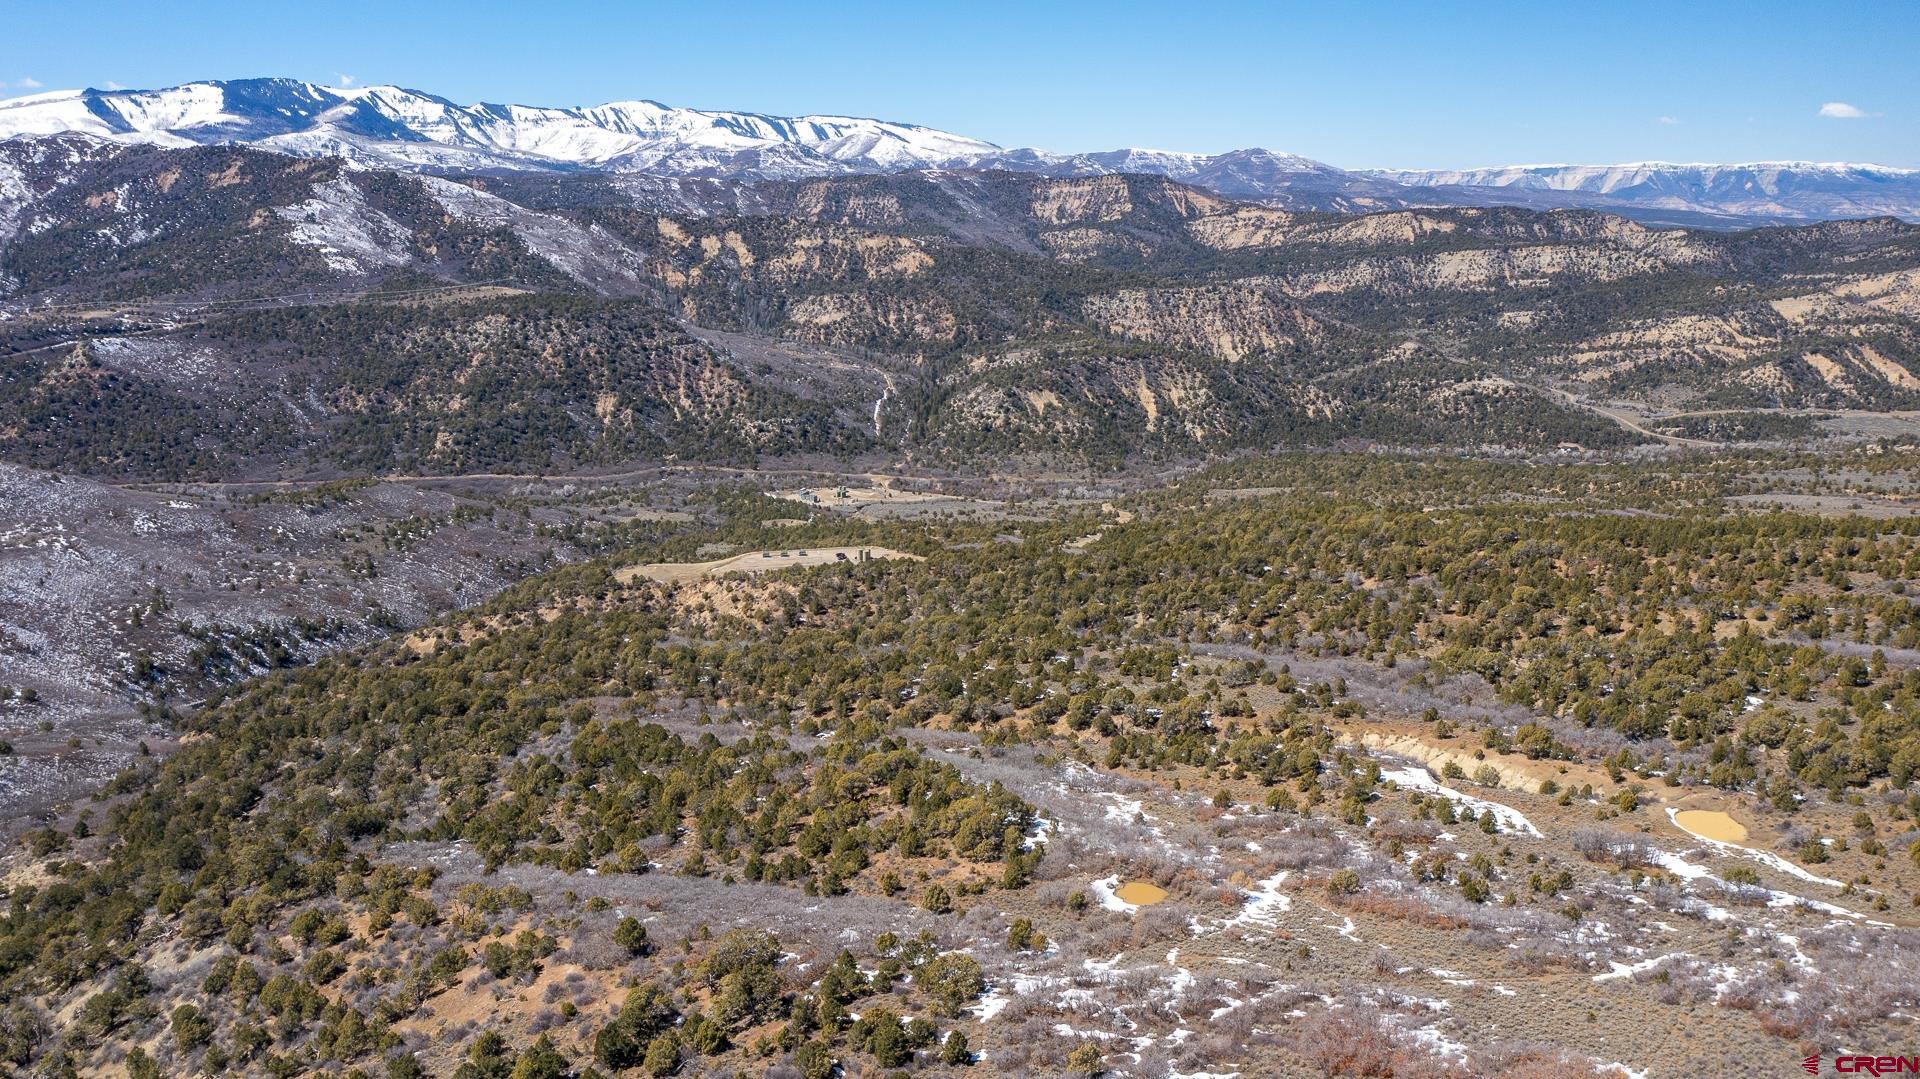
<point>1417,778</point>
<point>352,236</point>
<point>1765,857</point>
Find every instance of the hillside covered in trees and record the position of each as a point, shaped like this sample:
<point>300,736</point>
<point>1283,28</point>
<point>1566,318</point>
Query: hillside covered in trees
<point>183,313</point>
<point>1388,736</point>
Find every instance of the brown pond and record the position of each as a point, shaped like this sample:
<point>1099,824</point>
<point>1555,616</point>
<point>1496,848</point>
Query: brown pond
<point>1711,824</point>
<point>1139,893</point>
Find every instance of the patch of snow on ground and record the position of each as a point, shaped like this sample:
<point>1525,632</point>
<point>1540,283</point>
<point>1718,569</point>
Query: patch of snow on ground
<point>1265,903</point>
<point>1124,810</point>
<point>1418,778</point>
<point>1103,892</point>
<point>1430,1038</point>
<point>1693,871</point>
<point>992,1004</point>
<point>1628,970</point>
<point>1765,857</point>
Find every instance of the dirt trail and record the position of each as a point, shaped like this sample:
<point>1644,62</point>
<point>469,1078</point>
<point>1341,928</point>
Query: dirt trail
<point>1622,419</point>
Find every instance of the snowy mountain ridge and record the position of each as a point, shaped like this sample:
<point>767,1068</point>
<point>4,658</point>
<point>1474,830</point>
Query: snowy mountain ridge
<point>394,127</point>
<point>1606,178</point>
<point>1764,190</point>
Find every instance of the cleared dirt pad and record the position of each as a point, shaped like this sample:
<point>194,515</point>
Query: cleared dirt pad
<point>852,497</point>
<point>880,499</point>
<point>755,562</point>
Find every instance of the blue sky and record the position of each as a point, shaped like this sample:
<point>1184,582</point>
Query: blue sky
<point>1356,84</point>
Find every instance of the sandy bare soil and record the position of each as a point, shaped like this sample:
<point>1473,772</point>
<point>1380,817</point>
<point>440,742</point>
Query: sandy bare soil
<point>880,499</point>
<point>755,562</point>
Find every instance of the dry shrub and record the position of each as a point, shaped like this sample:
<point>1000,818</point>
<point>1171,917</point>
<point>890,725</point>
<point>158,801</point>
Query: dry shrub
<point>1053,894</point>
<point>1230,898</point>
<point>1535,1062</point>
<point>1782,1025</point>
<point>1306,846</point>
<point>1161,922</point>
<point>1404,908</point>
<point>1743,895</point>
<point>1412,832</point>
<point>1353,1040</point>
<point>1540,956</point>
<point>1606,845</point>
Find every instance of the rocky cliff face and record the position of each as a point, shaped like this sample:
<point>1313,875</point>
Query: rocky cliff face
<point>965,313</point>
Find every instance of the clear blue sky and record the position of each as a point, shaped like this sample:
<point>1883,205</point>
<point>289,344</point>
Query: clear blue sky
<point>1356,84</point>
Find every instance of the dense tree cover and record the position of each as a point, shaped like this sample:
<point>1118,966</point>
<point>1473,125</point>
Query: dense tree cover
<point>750,731</point>
<point>532,382</point>
<point>152,222</point>
<point>272,812</point>
<point>67,410</point>
<point>522,383</point>
<point>1744,426</point>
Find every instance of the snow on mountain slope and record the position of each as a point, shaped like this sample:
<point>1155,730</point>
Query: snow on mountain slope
<point>391,125</point>
<point>55,112</point>
<point>586,253</point>
<point>1768,176</point>
<point>352,236</point>
<point>30,167</point>
<point>1289,179</point>
<point>1781,189</point>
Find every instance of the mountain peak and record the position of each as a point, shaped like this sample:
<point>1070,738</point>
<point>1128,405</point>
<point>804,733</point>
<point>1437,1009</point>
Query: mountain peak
<point>394,125</point>
<point>397,127</point>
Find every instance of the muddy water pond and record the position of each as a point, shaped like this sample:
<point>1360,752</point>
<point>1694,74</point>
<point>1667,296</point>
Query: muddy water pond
<point>1139,893</point>
<point>1711,824</point>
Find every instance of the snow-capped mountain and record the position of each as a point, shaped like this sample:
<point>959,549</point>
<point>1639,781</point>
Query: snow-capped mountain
<point>398,128</point>
<point>393,126</point>
<point>1787,190</point>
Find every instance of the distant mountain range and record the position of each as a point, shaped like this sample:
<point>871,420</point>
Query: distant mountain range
<point>1773,190</point>
<point>394,127</point>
